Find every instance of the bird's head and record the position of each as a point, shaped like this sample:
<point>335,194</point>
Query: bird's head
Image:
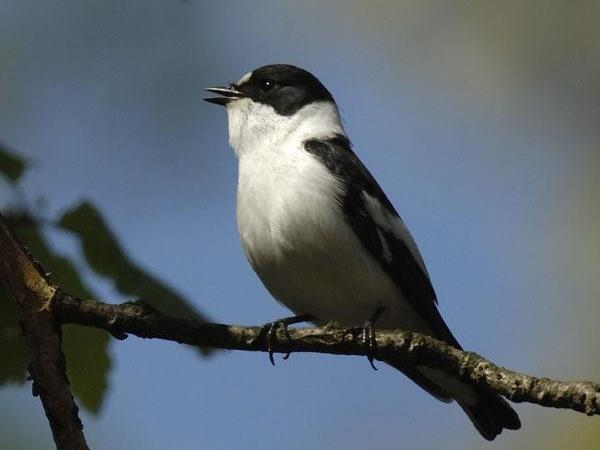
<point>270,101</point>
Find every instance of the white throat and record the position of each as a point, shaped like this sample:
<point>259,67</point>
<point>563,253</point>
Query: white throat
<point>256,127</point>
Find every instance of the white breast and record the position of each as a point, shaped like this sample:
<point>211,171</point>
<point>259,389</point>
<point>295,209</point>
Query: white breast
<point>294,233</point>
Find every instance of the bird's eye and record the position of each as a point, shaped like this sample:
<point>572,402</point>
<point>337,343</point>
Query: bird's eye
<point>267,85</point>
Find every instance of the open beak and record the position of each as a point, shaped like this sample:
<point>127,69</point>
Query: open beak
<point>227,94</point>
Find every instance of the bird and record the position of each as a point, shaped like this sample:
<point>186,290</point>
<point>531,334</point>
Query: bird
<point>321,234</point>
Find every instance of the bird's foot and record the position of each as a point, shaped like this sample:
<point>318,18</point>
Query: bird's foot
<point>270,331</point>
<point>369,340</point>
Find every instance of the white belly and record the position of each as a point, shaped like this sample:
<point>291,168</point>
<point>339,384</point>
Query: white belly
<point>294,234</point>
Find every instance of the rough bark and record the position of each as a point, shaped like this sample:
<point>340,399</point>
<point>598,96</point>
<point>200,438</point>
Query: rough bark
<point>44,307</point>
<point>34,296</point>
<point>140,319</point>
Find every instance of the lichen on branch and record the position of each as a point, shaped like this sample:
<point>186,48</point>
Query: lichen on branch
<point>139,319</point>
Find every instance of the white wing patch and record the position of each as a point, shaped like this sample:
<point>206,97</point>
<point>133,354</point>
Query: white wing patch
<point>387,254</point>
<point>244,79</point>
<point>391,223</point>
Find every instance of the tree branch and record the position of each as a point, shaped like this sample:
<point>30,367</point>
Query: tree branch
<point>34,296</point>
<point>44,307</point>
<point>415,349</point>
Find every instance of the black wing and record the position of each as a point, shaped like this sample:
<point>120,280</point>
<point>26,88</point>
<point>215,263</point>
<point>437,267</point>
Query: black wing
<point>380,229</point>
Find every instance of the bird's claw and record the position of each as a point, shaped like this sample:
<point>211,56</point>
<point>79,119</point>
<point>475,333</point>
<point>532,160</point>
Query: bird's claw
<point>271,332</point>
<point>289,338</point>
<point>369,342</point>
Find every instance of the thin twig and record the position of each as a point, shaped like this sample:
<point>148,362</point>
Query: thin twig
<point>413,349</point>
<point>34,296</point>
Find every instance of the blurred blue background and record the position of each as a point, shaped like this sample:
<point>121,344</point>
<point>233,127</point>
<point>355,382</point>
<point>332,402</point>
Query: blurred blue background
<point>480,120</point>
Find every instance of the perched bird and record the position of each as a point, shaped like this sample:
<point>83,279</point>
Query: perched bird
<point>323,236</point>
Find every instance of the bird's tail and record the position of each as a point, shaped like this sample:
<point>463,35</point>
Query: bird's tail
<point>489,412</point>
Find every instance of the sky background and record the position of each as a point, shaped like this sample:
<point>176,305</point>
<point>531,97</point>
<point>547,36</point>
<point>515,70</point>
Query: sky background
<point>480,121</point>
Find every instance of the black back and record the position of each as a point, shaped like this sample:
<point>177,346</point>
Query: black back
<point>336,153</point>
<point>284,87</point>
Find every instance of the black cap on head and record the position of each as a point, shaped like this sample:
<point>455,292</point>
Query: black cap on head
<point>284,87</point>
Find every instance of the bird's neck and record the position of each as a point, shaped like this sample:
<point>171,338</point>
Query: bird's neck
<point>256,127</point>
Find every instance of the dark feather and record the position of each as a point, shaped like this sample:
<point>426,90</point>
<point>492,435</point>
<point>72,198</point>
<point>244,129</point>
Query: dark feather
<point>403,267</point>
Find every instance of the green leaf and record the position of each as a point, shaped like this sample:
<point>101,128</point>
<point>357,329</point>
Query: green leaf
<point>86,349</point>
<point>11,166</point>
<point>106,257</point>
<point>88,364</point>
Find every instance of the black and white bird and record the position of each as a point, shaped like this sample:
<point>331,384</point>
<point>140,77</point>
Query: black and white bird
<point>320,232</point>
